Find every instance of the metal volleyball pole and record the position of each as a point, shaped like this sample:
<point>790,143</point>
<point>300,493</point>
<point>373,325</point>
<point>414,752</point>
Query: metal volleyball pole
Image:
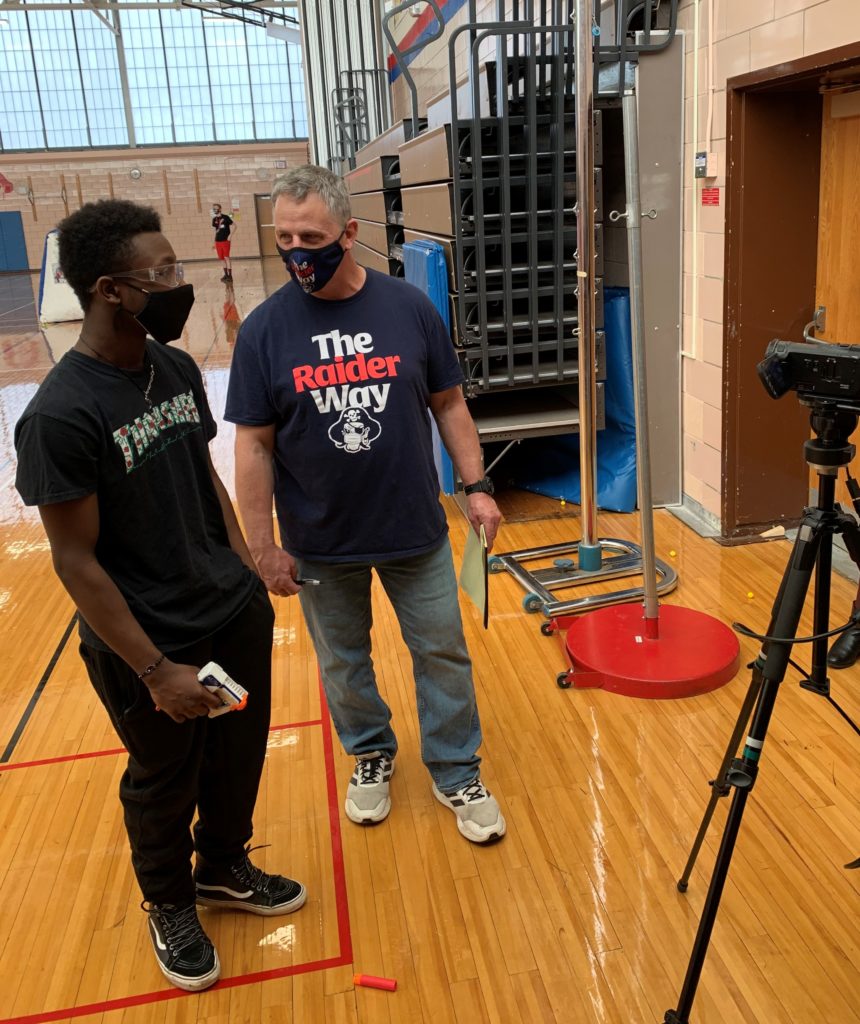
<point>674,651</point>
<point>589,546</point>
<point>640,392</point>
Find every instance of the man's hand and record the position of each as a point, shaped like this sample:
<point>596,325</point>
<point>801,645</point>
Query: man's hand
<point>176,690</point>
<point>483,511</point>
<point>277,569</point>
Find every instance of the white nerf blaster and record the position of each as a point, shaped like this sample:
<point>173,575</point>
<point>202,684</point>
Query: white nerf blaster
<point>233,696</point>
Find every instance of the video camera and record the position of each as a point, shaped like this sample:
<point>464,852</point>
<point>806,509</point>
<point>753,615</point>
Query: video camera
<point>818,372</point>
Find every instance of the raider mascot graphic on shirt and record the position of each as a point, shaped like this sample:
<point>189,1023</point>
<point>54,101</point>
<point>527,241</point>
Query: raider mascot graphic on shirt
<point>342,381</point>
<point>354,430</point>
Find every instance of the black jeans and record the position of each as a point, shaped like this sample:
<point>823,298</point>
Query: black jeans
<point>212,765</point>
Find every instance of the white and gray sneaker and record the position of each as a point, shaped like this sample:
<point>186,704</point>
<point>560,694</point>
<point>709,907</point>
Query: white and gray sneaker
<point>367,800</point>
<point>479,817</point>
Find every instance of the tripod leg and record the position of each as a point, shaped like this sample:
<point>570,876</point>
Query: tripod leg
<point>771,664</point>
<point>719,785</point>
<point>818,681</point>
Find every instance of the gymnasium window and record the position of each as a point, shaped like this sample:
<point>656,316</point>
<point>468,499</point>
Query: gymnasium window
<point>190,80</point>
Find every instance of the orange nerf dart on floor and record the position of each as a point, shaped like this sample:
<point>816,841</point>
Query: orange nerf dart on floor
<point>370,981</point>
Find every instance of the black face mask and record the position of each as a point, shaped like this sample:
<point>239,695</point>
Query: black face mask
<point>164,315</point>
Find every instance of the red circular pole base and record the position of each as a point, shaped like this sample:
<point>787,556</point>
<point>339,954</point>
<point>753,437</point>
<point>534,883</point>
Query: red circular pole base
<point>610,648</point>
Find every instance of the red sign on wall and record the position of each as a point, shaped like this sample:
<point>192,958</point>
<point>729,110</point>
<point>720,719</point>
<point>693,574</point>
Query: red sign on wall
<point>710,197</point>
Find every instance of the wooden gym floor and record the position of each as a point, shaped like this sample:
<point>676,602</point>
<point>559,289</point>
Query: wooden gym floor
<point>573,918</point>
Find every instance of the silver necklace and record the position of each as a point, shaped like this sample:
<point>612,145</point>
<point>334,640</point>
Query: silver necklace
<point>144,391</point>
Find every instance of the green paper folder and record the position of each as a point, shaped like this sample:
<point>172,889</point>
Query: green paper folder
<point>474,576</point>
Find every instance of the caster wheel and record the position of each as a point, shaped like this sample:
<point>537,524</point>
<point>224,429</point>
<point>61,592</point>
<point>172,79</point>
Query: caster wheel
<point>495,564</point>
<point>532,603</point>
<point>546,629</point>
<point>563,682</point>
<point>563,563</point>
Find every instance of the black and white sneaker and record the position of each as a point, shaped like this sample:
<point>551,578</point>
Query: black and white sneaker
<point>367,800</point>
<point>241,886</point>
<point>479,817</point>
<point>184,951</point>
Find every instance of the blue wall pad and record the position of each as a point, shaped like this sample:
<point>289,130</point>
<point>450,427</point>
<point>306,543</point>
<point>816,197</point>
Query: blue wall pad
<point>13,247</point>
<point>424,266</point>
<point>550,465</point>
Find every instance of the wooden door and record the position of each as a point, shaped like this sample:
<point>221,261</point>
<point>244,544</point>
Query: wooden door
<point>265,225</point>
<point>838,277</point>
<point>773,189</point>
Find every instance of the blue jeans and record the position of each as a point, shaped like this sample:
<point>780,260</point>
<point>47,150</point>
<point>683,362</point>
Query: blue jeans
<point>423,592</point>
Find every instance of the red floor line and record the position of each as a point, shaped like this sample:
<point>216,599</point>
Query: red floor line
<point>343,959</point>
<point>338,867</point>
<point>60,760</point>
<point>121,750</point>
<point>295,725</point>
<point>146,998</point>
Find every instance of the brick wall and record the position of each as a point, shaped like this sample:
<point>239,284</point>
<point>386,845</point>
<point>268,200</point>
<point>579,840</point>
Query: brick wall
<point>748,35</point>
<point>180,182</point>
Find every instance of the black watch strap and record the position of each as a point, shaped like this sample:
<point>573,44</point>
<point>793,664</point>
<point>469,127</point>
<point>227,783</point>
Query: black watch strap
<point>485,485</point>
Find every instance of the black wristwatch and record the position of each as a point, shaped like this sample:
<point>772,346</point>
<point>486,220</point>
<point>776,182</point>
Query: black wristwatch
<point>485,485</point>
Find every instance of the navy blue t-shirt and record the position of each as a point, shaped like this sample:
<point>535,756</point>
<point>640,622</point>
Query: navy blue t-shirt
<point>346,384</point>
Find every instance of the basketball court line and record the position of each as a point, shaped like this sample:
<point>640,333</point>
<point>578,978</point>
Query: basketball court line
<point>37,693</point>
<point>121,750</point>
<point>343,958</point>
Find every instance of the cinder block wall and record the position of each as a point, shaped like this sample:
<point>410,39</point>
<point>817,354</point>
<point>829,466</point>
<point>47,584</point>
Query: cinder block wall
<point>748,35</point>
<point>180,182</point>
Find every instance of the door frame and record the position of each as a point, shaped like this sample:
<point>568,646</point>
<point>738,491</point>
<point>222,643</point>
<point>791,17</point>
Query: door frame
<point>773,165</point>
<point>262,195</point>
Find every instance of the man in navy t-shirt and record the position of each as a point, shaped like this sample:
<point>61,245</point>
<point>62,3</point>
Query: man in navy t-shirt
<point>330,387</point>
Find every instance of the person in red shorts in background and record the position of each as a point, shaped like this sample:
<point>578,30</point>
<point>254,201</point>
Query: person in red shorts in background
<point>223,226</point>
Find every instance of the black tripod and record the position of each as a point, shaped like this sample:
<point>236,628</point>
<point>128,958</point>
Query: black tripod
<point>813,549</point>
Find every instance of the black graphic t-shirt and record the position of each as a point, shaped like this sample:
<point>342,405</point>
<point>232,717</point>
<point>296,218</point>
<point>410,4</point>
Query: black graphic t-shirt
<point>347,385</point>
<point>162,536</point>
<point>222,223</point>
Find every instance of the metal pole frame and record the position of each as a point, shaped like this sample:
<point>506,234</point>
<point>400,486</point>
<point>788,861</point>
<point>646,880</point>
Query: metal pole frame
<point>634,216</point>
<point>401,55</point>
<point>470,252</point>
<point>589,546</point>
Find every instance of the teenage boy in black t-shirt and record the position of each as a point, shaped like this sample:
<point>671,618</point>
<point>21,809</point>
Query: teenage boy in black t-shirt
<point>113,449</point>
<point>223,226</point>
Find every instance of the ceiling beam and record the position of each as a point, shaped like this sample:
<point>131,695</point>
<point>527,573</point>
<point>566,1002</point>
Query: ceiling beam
<point>105,21</point>
<point>142,5</point>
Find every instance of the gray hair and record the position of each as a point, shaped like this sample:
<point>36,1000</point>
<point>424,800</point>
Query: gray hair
<point>299,182</point>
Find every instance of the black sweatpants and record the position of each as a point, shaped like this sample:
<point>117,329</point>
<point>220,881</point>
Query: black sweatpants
<point>212,765</point>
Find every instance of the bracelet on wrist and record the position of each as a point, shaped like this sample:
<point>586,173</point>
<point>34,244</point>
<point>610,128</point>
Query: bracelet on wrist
<point>150,668</point>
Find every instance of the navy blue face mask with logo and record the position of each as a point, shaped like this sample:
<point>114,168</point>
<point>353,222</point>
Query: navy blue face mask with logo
<point>312,269</point>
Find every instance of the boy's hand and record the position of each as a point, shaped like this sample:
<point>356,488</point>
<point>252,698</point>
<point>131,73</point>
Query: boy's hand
<point>176,690</point>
